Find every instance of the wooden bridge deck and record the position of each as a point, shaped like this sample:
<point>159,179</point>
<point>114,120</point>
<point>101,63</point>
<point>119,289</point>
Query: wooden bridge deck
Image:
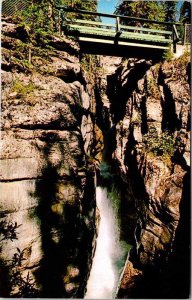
<point>117,38</point>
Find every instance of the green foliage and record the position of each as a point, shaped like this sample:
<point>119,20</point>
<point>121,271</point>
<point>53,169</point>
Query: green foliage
<point>91,65</point>
<point>40,20</point>
<point>159,145</point>
<point>185,12</point>
<point>21,89</point>
<point>38,16</point>
<point>42,17</point>
<point>21,50</point>
<point>88,5</point>
<point>170,9</point>
<point>151,10</point>
<point>85,5</point>
<point>22,286</point>
<point>185,17</point>
<point>168,55</point>
<point>8,230</point>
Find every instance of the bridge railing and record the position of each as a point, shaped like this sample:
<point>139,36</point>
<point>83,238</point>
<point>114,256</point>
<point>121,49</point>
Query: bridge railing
<point>121,24</point>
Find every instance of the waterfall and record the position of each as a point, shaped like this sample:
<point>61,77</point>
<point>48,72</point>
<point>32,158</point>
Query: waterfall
<point>110,254</point>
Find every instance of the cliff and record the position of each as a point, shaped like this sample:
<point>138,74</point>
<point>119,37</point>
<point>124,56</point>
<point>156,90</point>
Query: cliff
<point>150,107</point>
<point>59,109</point>
<point>47,173</point>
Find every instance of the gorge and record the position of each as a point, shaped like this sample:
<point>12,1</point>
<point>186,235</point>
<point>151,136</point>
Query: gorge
<point>76,127</point>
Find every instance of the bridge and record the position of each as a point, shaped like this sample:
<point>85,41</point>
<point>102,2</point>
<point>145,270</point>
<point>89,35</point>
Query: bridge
<point>116,38</point>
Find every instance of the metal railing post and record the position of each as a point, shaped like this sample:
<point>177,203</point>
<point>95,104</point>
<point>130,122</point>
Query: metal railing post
<point>175,38</point>
<point>118,27</point>
<point>117,24</point>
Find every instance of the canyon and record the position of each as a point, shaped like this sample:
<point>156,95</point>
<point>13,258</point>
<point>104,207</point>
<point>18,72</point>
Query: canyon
<point>65,114</point>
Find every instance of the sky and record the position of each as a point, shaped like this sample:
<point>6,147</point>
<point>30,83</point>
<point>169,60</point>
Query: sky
<point>107,6</point>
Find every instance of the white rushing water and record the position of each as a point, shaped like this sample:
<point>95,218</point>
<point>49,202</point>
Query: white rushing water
<point>110,252</point>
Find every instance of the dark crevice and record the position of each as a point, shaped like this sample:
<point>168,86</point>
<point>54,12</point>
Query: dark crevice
<point>119,93</point>
<point>8,67</point>
<point>63,46</point>
<point>109,144</point>
<point>69,76</point>
<point>102,112</point>
<point>170,120</point>
<point>144,125</point>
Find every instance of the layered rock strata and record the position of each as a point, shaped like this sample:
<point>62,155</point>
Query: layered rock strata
<point>150,107</point>
<point>47,176</point>
<point>52,116</point>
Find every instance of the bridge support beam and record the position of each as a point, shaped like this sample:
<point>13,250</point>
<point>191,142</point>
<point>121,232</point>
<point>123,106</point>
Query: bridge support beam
<point>121,51</point>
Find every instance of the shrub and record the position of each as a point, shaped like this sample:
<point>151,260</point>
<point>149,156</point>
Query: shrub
<point>159,145</point>
<point>21,89</point>
<point>22,286</point>
<point>168,55</point>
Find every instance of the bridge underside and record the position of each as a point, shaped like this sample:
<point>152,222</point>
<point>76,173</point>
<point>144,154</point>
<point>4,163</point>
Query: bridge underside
<point>129,50</point>
<point>130,45</point>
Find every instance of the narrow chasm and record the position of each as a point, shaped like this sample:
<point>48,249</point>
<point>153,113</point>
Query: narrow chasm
<point>95,173</point>
<point>143,110</point>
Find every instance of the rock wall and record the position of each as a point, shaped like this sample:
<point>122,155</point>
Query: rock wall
<point>47,176</point>
<point>53,112</point>
<point>150,109</point>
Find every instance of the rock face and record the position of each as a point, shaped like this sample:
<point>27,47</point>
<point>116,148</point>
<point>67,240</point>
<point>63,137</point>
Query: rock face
<point>52,116</point>
<point>150,108</point>
<point>144,113</point>
<point>47,181</point>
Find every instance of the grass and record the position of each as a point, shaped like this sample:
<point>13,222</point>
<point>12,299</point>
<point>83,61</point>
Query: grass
<point>21,89</point>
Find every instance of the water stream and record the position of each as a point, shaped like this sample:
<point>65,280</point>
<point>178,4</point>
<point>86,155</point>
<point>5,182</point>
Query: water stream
<point>111,252</point>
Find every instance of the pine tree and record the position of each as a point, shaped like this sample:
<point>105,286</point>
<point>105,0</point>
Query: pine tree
<point>170,8</point>
<point>90,5</point>
<point>151,10</point>
<point>41,15</point>
<point>85,4</point>
<point>185,12</point>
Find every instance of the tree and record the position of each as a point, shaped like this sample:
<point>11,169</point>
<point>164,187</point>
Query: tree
<point>185,12</point>
<point>151,10</point>
<point>170,8</point>
<point>89,5</point>
<point>185,17</point>
<point>85,5</point>
<point>41,15</point>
